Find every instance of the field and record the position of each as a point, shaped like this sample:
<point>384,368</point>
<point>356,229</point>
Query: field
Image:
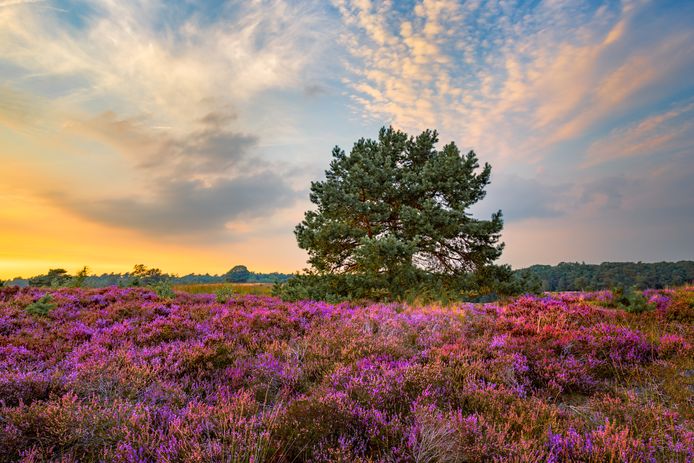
<point>119,374</point>
<point>258,289</point>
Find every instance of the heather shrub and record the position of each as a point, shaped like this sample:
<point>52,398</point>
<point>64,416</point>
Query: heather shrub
<point>670,345</point>
<point>645,419</point>
<point>609,442</point>
<point>25,387</point>
<point>118,374</point>
<point>310,421</point>
<point>681,308</point>
<point>61,427</point>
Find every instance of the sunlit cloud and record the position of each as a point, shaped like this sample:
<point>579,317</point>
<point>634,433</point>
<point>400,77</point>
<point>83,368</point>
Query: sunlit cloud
<point>665,133</point>
<point>171,101</point>
<point>4,3</point>
<point>509,80</point>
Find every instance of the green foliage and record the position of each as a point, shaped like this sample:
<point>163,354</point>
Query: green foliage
<point>238,274</point>
<point>224,293</point>
<point>486,284</point>
<point>42,307</point>
<point>392,217</point>
<point>527,282</point>
<point>630,300</point>
<point>164,289</point>
<point>258,289</point>
<point>144,276</point>
<point>80,277</point>
<point>55,277</point>
<point>568,276</point>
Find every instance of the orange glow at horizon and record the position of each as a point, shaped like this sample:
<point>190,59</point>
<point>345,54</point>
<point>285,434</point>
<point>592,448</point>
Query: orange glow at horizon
<point>36,236</point>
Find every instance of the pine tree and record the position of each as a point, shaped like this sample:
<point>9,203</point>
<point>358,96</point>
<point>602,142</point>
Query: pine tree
<point>396,209</point>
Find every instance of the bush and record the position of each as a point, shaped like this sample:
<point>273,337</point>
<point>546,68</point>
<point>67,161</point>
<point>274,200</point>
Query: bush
<point>484,285</point>
<point>80,278</point>
<point>680,309</point>
<point>224,293</point>
<point>42,307</point>
<point>164,290</point>
<point>630,300</point>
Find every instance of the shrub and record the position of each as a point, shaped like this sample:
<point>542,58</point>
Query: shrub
<point>681,308</point>
<point>631,300</point>
<point>42,307</point>
<point>224,294</point>
<point>118,374</point>
<point>164,290</point>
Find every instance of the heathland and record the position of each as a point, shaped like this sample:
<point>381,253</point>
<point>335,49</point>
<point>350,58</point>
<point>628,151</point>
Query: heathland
<point>130,375</point>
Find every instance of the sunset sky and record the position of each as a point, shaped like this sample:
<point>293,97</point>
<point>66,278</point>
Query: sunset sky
<point>184,134</point>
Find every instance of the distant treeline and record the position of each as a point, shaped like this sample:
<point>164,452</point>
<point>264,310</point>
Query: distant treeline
<point>567,276</point>
<point>574,276</point>
<point>142,276</point>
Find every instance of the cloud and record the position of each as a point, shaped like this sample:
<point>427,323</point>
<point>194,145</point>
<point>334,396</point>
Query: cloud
<point>209,151</point>
<point>4,3</point>
<point>192,185</point>
<point>174,73</point>
<point>665,133</point>
<point>513,81</point>
<point>636,215</point>
<point>168,94</point>
<point>666,191</point>
<point>188,208</point>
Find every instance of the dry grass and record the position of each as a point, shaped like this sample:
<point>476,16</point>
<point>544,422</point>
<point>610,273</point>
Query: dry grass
<point>258,289</point>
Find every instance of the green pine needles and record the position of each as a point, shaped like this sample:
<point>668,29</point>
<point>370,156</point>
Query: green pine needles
<point>41,307</point>
<point>392,220</point>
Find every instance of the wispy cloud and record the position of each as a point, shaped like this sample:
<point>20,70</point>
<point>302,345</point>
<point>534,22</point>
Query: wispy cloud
<point>174,75</point>
<point>665,133</point>
<point>4,3</point>
<point>511,81</point>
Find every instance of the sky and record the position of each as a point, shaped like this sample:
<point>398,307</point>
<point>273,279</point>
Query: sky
<point>185,134</point>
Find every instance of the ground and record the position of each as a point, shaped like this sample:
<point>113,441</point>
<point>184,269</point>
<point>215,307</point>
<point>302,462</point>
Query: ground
<point>121,374</point>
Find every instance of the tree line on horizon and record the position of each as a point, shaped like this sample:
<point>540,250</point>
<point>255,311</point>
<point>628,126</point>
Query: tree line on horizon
<point>575,276</point>
<point>141,275</point>
<point>565,276</point>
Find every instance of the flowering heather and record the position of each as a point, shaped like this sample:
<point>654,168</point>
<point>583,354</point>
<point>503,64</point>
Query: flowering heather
<point>123,375</point>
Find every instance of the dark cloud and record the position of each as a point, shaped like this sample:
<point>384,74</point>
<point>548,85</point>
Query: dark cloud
<point>608,192</point>
<point>314,90</point>
<point>193,183</point>
<point>212,147</point>
<point>181,208</point>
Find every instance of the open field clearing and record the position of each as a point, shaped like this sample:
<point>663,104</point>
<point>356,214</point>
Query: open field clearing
<point>123,375</point>
<point>257,289</point>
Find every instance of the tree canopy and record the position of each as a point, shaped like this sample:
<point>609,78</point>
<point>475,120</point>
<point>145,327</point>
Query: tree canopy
<point>238,274</point>
<point>54,277</point>
<point>396,209</point>
<point>574,276</point>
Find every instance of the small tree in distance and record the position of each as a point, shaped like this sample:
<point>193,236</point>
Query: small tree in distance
<point>238,274</point>
<point>80,277</point>
<point>145,276</point>
<point>392,215</point>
